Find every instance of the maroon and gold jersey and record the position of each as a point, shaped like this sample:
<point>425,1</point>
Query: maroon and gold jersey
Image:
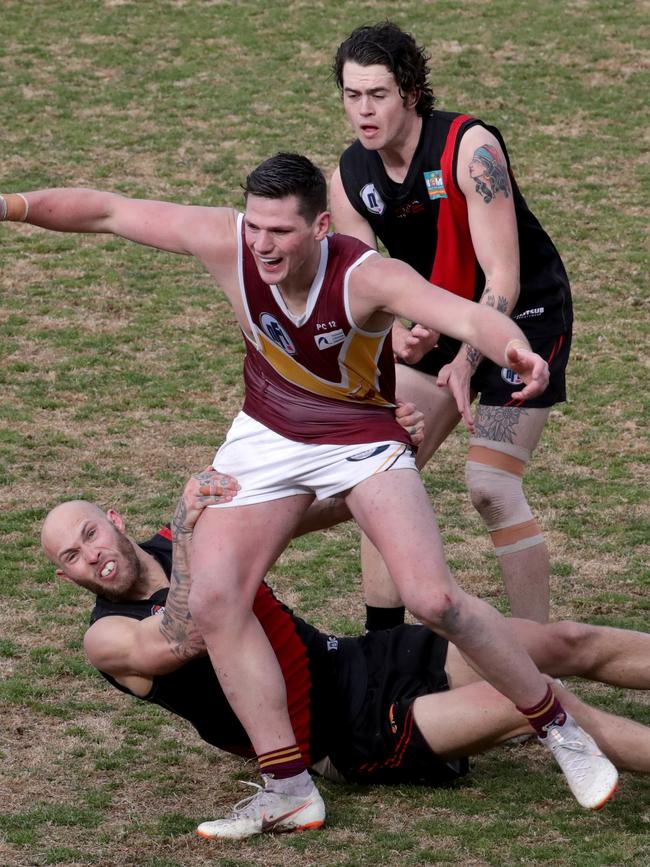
<point>317,377</point>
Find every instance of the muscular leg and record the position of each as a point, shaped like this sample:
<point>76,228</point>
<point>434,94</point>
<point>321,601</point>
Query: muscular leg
<point>505,437</point>
<point>409,540</point>
<point>441,417</point>
<point>232,549</point>
<point>601,653</point>
<point>475,718</point>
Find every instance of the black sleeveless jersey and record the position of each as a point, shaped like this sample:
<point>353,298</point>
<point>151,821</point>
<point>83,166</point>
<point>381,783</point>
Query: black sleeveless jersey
<point>423,221</point>
<point>194,693</point>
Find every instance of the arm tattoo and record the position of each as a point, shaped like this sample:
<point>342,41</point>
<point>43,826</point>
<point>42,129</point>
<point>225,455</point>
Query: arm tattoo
<point>472,355</point>
<point>177,626</point>
<point>489,172</point>
<point>498,423</point>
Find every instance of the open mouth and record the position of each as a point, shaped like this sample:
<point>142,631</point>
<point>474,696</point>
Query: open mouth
<point>108,570</point>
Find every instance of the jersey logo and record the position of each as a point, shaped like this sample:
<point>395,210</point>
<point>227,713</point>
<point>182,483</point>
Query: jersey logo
<point>368,453</point>
<point>529,314</point>
<point>330,338</point>
<point>275,332</point>
<point>157,609</point>
<point>435,185</point>
<point>372,200</point>
<point>510,376</point>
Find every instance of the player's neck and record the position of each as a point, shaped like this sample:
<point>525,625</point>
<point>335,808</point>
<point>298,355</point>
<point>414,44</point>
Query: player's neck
<point>153,576</point>
<point>295,288</point>
<point>398,155</point>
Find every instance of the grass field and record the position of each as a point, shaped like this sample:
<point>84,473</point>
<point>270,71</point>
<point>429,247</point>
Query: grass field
<point>121,369</point>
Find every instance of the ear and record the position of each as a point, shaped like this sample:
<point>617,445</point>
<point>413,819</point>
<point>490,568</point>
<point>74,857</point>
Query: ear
<point>322,225</point>
<point>61,574</point>
<point>116,520</point>
<point>411,99</point>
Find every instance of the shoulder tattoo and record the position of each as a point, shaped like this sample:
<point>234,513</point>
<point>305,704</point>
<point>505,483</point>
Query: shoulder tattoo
<point>489,172</point>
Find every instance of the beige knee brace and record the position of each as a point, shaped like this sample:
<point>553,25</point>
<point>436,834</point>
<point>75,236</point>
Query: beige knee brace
<point>493,474</point>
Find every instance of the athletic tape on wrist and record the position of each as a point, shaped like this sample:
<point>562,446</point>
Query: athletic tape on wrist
<point>14,207</point>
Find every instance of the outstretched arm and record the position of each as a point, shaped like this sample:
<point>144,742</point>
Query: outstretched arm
<point>176,228</point>
<point>389,286</point>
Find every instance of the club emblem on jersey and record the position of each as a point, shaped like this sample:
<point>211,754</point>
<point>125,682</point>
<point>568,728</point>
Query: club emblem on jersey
<point>435,185</point>
<point>372,200</point>
<point>275,332</point>
<point>330,338</point>
<point>511,377</point>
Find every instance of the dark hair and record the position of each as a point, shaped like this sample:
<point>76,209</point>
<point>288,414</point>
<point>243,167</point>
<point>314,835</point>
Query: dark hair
<point>388,45</point>
<point>290,175</point>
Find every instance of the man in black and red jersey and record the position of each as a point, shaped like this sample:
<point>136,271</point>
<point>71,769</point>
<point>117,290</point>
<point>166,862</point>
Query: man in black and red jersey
<point>316,312</point>
<point>396,706</point>
<point>436,188</point>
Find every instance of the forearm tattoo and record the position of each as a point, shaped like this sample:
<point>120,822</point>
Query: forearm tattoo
<point>500,302</point>
<point>498,423</point>
<point>489,172</point>
<point>177,626</point>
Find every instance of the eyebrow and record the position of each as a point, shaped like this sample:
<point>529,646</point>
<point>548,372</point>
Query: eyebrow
<point>253,225</point>
<point>63,554</point>
<point>372,91</point>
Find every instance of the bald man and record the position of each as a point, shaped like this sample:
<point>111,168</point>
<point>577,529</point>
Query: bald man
<point>408,707</point>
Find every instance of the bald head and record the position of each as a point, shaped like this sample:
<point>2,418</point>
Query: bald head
<point>90,548</point>
<point>61,519</point>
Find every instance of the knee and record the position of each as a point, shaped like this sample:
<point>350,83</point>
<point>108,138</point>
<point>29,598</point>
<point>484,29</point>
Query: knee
<point>442,611</point>
<point>571,640</point>
<point>496,495</point>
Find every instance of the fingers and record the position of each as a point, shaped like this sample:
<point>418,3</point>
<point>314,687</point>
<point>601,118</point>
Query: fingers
<point>533,369</point>
<point>211,486</point>
<point>412,420</point>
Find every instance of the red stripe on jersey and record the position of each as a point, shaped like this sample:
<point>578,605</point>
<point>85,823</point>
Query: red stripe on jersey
<point>454,267</point>
<point>294,662</point>
<point>166,533</point>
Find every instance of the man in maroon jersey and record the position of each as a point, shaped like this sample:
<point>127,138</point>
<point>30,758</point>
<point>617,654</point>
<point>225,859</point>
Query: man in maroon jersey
<point>316,312</point>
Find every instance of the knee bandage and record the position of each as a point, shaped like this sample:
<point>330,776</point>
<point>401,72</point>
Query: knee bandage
<point>494,473</point>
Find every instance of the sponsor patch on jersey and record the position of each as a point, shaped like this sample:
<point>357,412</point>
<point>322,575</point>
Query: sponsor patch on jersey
<point>530,314</point>
<point>372,200</point>
<point>275,332</point>
<point>511,377</point>
<point>435,185</point>
<point>329,338</point>
<point>368,453</point>
<point>157,609</point>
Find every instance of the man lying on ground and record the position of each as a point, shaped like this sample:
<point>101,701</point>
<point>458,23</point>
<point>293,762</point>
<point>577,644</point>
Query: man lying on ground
<point>408,707</point>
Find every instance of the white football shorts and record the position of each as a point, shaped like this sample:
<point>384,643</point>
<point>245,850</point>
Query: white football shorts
<point>269,466</point>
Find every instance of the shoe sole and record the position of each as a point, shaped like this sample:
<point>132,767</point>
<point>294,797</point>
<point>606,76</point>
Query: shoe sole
<point>309,826</point>
<point>606,799</point>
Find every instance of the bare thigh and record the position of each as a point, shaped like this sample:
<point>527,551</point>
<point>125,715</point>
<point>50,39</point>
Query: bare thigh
<point>233,548</point>
<point>467,720</point>
<point>509,424</point>
<point>394,511</point>
<point>440,412</point>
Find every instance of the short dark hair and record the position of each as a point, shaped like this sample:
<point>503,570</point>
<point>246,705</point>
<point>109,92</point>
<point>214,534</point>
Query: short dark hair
<point>388,45</point>
<point>287,174</point>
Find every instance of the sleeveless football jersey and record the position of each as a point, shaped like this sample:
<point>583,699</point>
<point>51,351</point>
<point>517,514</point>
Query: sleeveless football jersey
<point>317,378</point>
<point>194,692</point>
<point>423,221</point>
